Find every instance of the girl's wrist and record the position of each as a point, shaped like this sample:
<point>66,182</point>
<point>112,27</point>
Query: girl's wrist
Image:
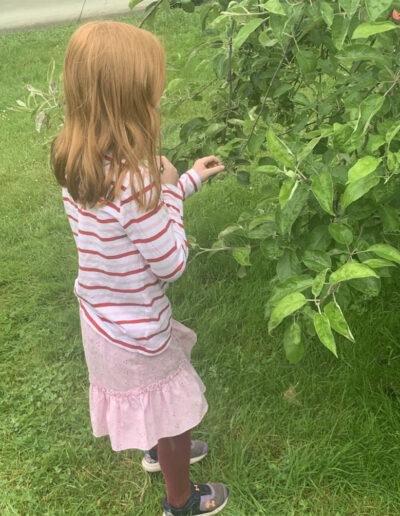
<point>196,177</point>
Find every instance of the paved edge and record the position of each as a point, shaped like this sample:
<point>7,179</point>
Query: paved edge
<point>140,8</point>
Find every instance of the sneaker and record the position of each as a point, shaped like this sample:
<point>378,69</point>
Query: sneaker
<point>198,451</point>
<point>205,499</point>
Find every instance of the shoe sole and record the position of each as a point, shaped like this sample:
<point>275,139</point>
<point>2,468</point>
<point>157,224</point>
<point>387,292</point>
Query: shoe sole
<point>216,511</point>
<point>154,468</point>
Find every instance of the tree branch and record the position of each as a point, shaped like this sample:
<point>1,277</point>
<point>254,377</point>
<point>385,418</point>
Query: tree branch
<point>270,85</point>
<point>156,6</point>
<point>229,79</point>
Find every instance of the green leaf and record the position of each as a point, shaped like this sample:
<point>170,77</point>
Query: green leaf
<point>319,282</point>
<point>351,270</point>
<point>242,255</point>
<point>316,260</point>
<point>322,188</point>
<point>286,190</point>
<point>391,133</point>
<point>277,24</point>
<point>285,307</point>
<point>340,27</point>
<point>245,32</point>
<point>385,251</point>
<point>369,286</point>
<point>288,265</point>
<point>374,142</point>
<point>368,108</point>
<point>220,65</point>
<point>286,217</point>
<point>377,263</point>
<point>255,143</point>
<point>267,169</point>
<point>274,6</point>
<point>187,6</point>
<point>279,150</point>
<point>307,149</point>
<point>290,285</point>
<point>390,217</point>
<point>326,12</point>
<point>323,328</point>
<point>337,320</point>
<point>260,219</point>
<point>362,52</point>
<point>357,189</point>
<point>265,40</point>
<point>262,231</point>
<point>340,233</point>
<point>228,230</point>
<point>307,60</point>
<point>391,161</point>
<point>385,192</point>
<point>349,6</point>
<point>364,30</point>
<point>341,136</point>
<point>377,7</point>
<point>363,167</point>
<point>192,126</point>
<point>318,238</point>
<point>243,177</point>
<point>292,344</point>
<point>271,248</point>
<point>214,129</point>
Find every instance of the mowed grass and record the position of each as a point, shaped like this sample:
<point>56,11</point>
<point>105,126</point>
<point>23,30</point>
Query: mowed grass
<point>332,448</point>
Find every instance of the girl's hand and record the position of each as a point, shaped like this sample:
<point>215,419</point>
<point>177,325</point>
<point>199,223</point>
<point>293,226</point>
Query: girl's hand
<point>169,174</point>
<point>207,167</point>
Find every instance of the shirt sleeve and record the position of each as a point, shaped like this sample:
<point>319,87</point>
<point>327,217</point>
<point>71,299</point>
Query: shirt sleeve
<point>159,234</point>
<point>189,183</point>
<point>71,210</point>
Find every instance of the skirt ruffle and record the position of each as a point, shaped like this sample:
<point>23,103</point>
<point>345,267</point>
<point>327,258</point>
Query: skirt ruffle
<point>160,396</point>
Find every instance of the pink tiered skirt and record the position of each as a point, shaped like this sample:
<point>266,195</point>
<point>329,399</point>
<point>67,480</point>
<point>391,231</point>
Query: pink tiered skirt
<point>137,399</point>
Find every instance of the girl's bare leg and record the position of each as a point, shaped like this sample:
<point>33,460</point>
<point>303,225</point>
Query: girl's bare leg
<point>174,459</point>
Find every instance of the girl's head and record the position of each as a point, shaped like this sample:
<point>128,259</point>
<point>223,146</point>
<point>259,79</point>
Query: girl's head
<point>114,76</point>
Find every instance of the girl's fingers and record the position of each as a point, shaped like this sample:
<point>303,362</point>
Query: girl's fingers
<point>210,161</point>
<point>215,170</point>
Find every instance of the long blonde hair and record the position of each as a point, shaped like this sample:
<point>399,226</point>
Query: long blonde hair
<point>114,76</point>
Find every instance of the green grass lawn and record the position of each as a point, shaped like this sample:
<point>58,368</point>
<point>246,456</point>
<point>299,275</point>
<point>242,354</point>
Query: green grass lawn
<point>330,449</point>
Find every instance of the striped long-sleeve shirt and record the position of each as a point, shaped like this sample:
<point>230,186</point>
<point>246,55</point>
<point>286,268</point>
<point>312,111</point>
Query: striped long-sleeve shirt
<point>127,257</point>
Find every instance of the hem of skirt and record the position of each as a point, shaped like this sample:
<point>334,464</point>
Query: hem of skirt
<point>151,444</point>
<point>168,391</point>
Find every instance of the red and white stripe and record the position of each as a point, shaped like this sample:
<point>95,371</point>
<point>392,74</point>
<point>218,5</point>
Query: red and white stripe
<point>127,257</point>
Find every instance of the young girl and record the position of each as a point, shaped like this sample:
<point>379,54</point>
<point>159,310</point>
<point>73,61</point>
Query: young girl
<point>124,205</point>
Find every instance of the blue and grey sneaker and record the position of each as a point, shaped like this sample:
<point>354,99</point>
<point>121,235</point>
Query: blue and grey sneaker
<point>198,451</point>
<point>205,499</point>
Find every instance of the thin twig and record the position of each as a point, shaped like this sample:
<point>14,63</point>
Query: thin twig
<point>269,88</point>
<point>157,5</point>
<point>229,80</point>
<point>266,97</point>
<point>80,14</point>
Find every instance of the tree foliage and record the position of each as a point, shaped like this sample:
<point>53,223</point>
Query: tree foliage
<point>306,105</point>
